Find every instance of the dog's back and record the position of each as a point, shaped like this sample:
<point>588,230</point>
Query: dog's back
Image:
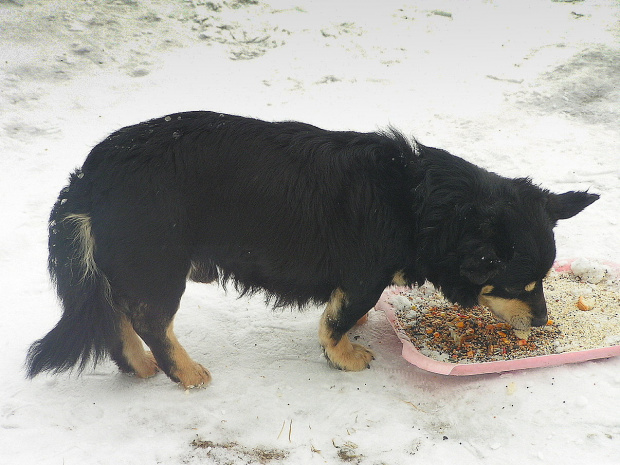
<point>283,207</point>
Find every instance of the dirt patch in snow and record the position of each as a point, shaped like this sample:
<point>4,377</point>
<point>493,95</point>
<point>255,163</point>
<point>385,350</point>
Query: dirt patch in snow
<point>586,87</point>
<point>234,453</point>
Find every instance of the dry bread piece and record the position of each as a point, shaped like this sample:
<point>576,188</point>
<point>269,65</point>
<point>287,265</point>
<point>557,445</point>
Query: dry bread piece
<point>585,304</point>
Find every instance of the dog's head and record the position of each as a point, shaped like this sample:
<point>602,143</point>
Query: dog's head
<point>483,238</point>
<point>507,257</point>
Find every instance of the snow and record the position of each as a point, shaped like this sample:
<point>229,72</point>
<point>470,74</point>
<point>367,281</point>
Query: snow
<point>528,88</point>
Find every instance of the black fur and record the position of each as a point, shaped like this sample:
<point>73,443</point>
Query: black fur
<point>285,208</point>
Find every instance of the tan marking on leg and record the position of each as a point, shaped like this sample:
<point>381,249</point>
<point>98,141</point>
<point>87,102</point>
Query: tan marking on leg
<point>399,279</point>
<point>188,372</point>
<point>142,362</point>
<point>341,353</point>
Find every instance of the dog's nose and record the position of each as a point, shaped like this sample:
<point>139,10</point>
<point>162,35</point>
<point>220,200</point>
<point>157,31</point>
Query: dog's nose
<point>540,320</point>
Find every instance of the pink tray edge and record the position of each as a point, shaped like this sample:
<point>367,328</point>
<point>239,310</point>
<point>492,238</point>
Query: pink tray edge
<point>413,356</point>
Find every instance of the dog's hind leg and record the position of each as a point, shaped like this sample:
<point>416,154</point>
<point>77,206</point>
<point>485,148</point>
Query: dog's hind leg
<point>339,316</point>
<point>154,324</point>
<point>130,356</point>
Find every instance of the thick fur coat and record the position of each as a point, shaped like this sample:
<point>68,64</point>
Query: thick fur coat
<point>300,213</point>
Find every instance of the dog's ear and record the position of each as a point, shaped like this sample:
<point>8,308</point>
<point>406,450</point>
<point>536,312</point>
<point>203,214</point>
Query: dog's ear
<point>481,265</point>
<point>567,205</point>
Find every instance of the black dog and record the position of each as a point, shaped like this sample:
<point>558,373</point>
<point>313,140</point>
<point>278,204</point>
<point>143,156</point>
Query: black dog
<point>301,213</point>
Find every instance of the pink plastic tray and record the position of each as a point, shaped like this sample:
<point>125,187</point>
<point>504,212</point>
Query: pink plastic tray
<point>413,356</point>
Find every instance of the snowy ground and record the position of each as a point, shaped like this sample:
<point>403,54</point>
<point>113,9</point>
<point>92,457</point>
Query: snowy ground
<point>524,88</point>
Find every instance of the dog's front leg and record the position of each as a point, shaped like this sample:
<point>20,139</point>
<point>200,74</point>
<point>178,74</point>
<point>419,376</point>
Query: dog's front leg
<point>339,317</point>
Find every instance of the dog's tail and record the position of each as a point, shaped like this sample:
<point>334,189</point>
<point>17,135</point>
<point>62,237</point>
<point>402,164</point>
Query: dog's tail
<point>89,326</point>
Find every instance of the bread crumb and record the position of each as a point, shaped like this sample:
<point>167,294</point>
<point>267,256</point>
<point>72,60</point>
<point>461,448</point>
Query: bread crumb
<point>585,304</point>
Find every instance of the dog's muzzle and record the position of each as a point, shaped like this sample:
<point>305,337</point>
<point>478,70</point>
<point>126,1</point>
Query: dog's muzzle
<point>522,312</point>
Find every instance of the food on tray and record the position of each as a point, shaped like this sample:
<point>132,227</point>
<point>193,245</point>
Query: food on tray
<point>450,333</point>
<point>585,304</point>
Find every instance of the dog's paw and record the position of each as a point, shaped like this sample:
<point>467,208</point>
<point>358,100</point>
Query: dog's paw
<point>145,366</point>
<point>193,375</point>
<point>348,356</point>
